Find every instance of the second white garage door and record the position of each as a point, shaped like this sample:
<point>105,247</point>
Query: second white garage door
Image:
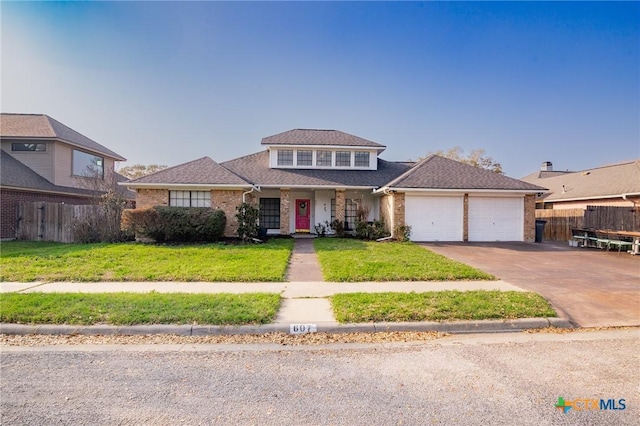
<point>434,218</point>
<point>496,219</point>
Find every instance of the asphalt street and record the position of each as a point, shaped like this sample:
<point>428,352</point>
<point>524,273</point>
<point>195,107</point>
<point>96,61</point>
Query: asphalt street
<point>513,378</point>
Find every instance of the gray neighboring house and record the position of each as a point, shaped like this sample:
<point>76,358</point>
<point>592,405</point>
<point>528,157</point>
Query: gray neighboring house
<point>613,185</point>
<point>41,159</point>
<point>304,177</point>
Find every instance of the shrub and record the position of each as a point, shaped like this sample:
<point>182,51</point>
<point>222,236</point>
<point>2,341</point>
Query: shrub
<point>321,230</point>
<point>101,221</point>
<point>338,227</point>
<point>371,230</point>
<point>247,221</point>
<point>176,224</point>
<point>403,233</point>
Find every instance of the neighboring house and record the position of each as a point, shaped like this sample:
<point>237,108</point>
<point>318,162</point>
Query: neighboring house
<point>614,185</point>
<point>306,177</point>
<point>44,160</point>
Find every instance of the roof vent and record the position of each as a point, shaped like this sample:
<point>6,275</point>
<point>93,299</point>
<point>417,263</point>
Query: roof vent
<point>547,166</point>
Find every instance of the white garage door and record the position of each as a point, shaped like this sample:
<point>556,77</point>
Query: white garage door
<point>496,219</point>
<point>434,218</point>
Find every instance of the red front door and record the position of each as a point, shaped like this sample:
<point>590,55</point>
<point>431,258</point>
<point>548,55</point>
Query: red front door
<point>303,218</point>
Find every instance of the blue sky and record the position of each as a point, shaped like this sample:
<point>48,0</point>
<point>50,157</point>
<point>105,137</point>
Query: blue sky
<point>169,82</point>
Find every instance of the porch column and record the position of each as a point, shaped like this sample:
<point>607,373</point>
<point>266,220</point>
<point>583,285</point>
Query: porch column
<point>284,211</point>
<point>340,204</point>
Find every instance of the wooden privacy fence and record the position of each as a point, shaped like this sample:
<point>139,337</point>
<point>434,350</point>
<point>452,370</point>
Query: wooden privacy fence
<point>560,221</point>
<point>51,221</point>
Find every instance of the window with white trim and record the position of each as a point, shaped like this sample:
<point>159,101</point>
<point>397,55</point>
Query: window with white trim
<point>305,158</point>
<point>190,198</point>
<point>343,158</point>
<point>323,158</point>
<point>361,159</point>
<point>285,157</point>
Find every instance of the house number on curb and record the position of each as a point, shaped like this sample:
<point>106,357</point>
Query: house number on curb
<point>302,328</point>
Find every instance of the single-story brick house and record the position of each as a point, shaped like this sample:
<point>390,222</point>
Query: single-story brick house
<point>44,160</point>
<point>613,185</point>
<point>305,177</point>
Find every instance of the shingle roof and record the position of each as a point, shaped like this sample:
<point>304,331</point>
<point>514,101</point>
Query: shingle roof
<point>255,169</point>
<point>614,180</point>
<point>436,172</point>
<point>43,126</point>
<point>319,137</point>
<point>201,171</point>
<point>15,174</point>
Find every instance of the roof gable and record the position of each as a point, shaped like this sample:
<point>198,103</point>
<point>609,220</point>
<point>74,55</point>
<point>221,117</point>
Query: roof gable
<point>436,172</point>
<point>203,171</point>
<point>42,126</point>
<point>319,137</point>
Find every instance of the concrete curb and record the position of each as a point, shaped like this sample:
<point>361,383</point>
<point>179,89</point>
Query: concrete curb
<point>458,327</point>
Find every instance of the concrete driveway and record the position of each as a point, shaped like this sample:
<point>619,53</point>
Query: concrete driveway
<point>591,287</point>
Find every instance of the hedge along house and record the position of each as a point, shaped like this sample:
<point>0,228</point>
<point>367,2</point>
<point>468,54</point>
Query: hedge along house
<point>307,177</point>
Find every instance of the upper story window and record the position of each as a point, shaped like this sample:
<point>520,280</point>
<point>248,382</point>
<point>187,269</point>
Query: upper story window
<point>361,159</point>
<point>323,158</point>
<point>285,157</point>
<point>18,146</point>
<point>305,158</point>
<point>190,198</point>
<point>87,165</point>
<point>343,158</point>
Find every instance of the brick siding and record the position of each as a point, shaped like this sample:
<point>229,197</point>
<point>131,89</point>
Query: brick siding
<point>227,201</point>
<point>529,218</point>
<point>285,201</point>
<point>146,198</point>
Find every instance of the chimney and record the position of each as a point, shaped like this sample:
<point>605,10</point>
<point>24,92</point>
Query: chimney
<point>547,166</point>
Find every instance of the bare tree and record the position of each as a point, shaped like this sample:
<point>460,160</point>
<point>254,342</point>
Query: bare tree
<point>138,170</point>
<point>476,158</point>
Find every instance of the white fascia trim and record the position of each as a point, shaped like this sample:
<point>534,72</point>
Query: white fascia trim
<point>599,197</point>
<point>464,191</point>
<point>377,149</point>
<point>323,187</point>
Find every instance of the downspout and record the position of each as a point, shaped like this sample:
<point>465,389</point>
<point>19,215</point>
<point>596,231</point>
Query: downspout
<point>387,191</point>
<point>244,194</point>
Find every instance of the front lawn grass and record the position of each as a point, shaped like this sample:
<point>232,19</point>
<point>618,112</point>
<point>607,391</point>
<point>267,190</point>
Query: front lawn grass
<point>41,261</point>
<point>134,308</point>
<point>439,306</point>
<point>352,260</point>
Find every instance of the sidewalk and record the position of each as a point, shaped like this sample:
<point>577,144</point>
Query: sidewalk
<point>304,301</point>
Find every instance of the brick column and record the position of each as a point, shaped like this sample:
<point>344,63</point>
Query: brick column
<point>465,218</point>
<point>285,202</point>
<point>398,210</point>
<point>340,204</point>
<point>529,218</point>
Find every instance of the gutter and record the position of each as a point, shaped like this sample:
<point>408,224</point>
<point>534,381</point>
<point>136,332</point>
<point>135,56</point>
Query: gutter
<point>253,188</point>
